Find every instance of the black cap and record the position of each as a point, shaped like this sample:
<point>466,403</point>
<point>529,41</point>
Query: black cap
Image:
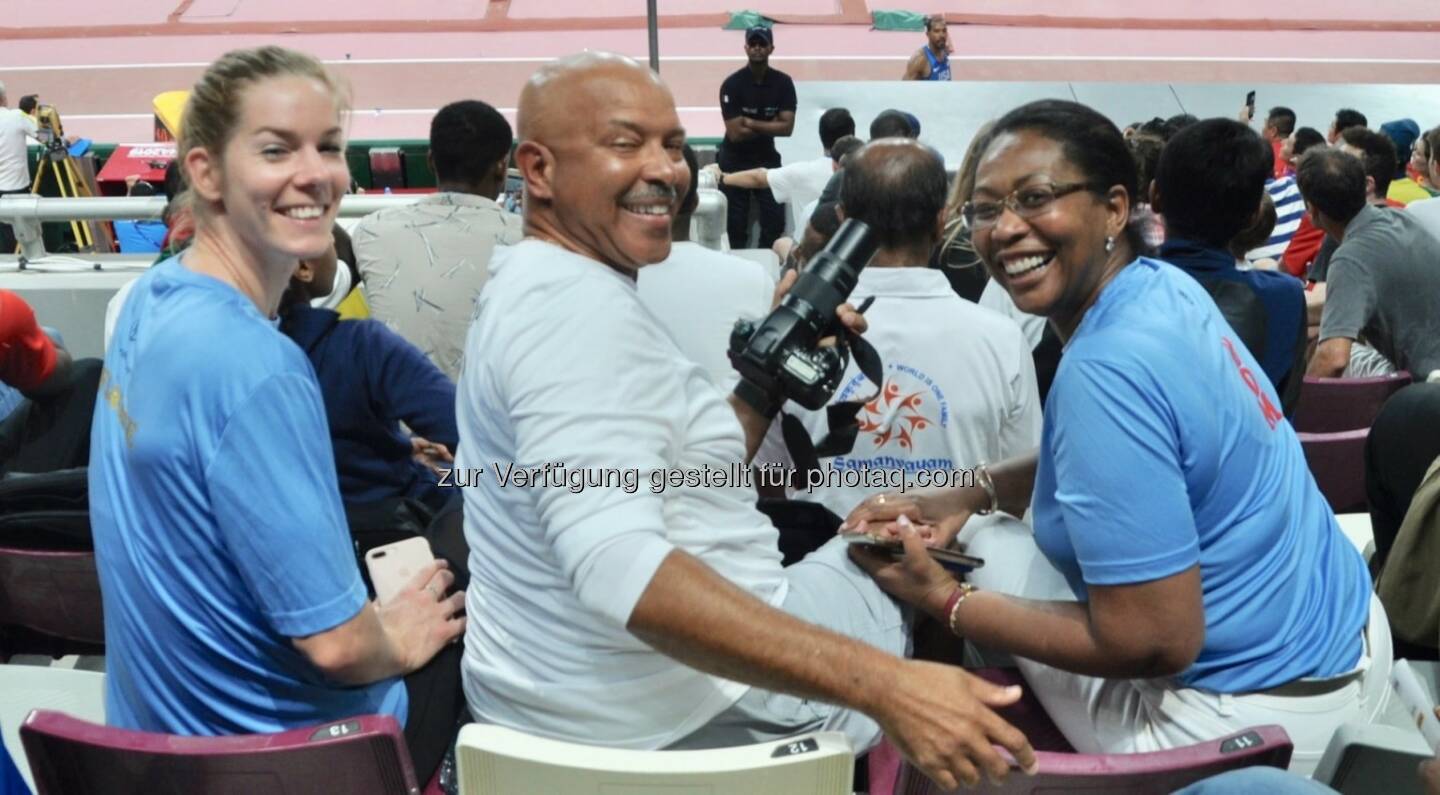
<point>760,32</point>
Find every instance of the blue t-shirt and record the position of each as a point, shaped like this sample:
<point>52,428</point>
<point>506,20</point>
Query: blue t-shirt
<point>219,532</point>
<point>1163,448</point>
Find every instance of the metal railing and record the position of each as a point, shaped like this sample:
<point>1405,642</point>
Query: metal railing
<point>26,212</point>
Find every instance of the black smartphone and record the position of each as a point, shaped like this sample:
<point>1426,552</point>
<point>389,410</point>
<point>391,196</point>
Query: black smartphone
<point>1250,103</point>
<point>953,562</point>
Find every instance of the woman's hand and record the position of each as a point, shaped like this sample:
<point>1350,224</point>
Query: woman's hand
<point>915,577</point>
<point>940,513</point>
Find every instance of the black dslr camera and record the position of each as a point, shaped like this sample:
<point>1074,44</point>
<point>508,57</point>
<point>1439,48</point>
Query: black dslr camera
<point>780,357</point>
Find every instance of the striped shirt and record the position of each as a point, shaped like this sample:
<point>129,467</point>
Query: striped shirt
<point>1289,209</point>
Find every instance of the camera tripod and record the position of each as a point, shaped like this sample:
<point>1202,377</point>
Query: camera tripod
<point>58,163</point>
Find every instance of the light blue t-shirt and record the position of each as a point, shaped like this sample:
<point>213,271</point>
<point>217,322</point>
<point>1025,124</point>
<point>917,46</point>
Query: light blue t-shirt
<point>219,531</point>
<point>1164,447</point>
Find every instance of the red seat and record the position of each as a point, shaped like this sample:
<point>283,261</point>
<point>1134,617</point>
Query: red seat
<point>358,756</point>
<point>1337,460</point>
<point>387,167</point>
<point>1156,772</point>
<point>1063,770</point>
<point>53,593</point>
<point>1328,405</point>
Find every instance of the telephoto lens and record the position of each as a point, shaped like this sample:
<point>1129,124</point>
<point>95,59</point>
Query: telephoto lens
<point>780,357</point>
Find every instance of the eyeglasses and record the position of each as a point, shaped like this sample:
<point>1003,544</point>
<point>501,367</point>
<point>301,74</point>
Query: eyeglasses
<point>1026,202</point>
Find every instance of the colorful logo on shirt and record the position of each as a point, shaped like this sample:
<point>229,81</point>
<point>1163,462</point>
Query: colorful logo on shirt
<point>909,404</point>
<point>1267,409</point>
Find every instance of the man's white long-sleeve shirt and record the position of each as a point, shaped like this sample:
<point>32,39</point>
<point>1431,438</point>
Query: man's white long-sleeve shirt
<point>566,367</point>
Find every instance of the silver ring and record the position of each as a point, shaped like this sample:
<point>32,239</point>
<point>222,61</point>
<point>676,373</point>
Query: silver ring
<point>880,500</point>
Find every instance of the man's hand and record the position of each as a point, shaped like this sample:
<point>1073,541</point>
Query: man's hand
<point>421,619</point>
<point>1430,771</point>
<point>937,715</point>
<point>714,171</point>
<point>940,717</point>
<point>431,454</point>
<point>847,314</point>
<point>939,513</point>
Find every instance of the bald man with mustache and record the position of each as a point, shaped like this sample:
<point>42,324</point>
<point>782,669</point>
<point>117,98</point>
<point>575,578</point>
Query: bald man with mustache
<point>613,601</point>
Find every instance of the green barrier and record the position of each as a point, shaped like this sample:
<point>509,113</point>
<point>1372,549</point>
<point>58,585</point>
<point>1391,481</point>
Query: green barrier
<point>745,20</point>
<point>897,20</point>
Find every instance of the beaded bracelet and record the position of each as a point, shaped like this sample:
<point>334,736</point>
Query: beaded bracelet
<point>982,477</point>
<point>952,605</point>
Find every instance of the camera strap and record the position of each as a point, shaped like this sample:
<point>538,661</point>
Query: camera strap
<point>840,417</point>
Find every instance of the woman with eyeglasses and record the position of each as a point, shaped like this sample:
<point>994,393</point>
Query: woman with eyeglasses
<point>1185,579</point>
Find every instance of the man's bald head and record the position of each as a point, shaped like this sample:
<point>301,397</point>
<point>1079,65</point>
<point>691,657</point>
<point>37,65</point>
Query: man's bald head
<point>897,187</point>
<point>565,90</point>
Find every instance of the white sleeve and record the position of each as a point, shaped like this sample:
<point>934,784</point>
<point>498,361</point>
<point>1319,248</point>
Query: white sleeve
<point>112,310</point>
<point>1020,432</point>
<point>608,397</point>
<point>782,182</point>
<point>994,297</point>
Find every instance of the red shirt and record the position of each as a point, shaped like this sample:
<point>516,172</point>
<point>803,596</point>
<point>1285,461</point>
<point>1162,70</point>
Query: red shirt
<point>27,356</point>
<point>1303,248</point>
<point>1282,169</point>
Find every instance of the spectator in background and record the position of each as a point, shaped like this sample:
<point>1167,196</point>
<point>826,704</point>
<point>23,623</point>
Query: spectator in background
<point>1279,125</point>
<point>956,253</point>
<point>839,155</point>
<point>1427,211</point>
<point>889,123</point>
<point>1209,185</point>
<point>15,127</point>
<point>233,603</point>
<point>1254,236</point>
<point>372,380</point>
<point>423,264</point>
<point>45,399</point>
<point>932,62</point>
<point>1176,123</point>
<point>1288,211</point>
<point>797,184</point>
<point>1146,148</point>
<point>1377,154</point>
<point>1418,169</point>
<point>1345,118</point>
<point>1405,135</point>
<point>1381,286</point>
<point>892,124</point>
<point>698,294</point>
<point>1298,143</point>
<point>30,362</point>
<point>1305,243</point>
<point>758,104</point>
